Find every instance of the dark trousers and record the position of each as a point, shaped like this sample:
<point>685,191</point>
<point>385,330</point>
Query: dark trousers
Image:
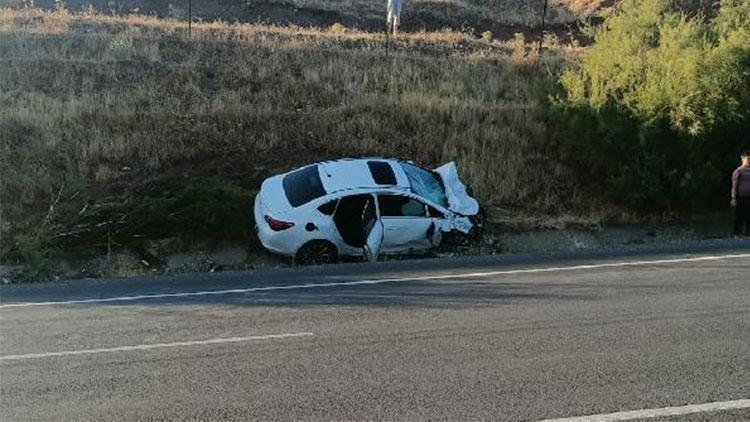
<point>742,216</point>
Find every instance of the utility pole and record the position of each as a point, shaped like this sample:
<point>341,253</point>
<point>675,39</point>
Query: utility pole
<point>541,34</point>
<point>190,17</point>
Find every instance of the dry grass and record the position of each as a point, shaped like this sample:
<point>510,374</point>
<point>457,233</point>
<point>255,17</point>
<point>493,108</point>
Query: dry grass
<point>99,105</point>
<point>368,15</point>
<point>432,13</point>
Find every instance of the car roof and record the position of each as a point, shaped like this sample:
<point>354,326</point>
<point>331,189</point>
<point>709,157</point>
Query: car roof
<point>353,173</point>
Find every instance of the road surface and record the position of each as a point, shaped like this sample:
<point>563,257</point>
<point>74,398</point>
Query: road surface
<point>612,337</point>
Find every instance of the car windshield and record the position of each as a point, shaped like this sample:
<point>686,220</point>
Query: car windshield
<point>303,185</point>
<point>426,184</point>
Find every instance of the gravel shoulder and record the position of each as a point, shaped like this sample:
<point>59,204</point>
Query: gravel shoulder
<point>497,246</point>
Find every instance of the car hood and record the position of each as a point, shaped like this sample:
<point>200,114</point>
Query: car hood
<point>459,200</point>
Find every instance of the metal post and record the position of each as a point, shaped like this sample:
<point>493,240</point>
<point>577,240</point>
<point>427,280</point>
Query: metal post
<point>541,35</point>
<point>190,17</point>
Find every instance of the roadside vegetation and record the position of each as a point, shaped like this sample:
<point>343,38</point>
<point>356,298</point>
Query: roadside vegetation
<point>658,109</point>
<point>123,133</point>
<point>501,17</point>
<point>121,130</point>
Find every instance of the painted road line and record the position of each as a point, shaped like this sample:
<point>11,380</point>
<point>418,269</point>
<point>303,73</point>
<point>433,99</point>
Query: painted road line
<point>660,412</point>
<point>152,346</point>
<point>372,281</point>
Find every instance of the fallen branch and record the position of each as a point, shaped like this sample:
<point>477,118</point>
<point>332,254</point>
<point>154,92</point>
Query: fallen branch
<point>52,206</point>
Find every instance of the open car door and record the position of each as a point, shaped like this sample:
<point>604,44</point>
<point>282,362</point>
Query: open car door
<point>373,231</point>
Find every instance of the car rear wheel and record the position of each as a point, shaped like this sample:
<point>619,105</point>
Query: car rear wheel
<point>316,252</point>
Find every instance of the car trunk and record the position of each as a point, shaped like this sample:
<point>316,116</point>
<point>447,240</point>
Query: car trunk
<point>272,196</point>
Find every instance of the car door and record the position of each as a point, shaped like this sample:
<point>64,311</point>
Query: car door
<point>347,218</point>
<point>407,226</point>
<point>372,228</point>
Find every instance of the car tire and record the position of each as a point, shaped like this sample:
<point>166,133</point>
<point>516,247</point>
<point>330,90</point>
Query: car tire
<point>316,252</point>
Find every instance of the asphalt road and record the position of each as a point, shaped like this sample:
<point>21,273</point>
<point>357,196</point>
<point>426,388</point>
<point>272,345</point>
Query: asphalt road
<point>512,338</point>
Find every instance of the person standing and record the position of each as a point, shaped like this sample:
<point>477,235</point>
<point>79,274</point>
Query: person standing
<point>741,195</point>
<point>394,16</point>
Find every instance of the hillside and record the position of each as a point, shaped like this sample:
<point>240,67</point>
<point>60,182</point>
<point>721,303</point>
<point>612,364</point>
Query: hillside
<point>118,131</point>
<point>502,17</point>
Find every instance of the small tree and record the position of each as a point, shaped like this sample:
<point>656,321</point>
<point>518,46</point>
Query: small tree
<point>679,85</point>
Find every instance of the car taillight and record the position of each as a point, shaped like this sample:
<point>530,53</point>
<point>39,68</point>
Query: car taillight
<point>277,225</point>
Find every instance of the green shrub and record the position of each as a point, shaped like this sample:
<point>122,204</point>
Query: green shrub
<point>37,255</point>
<point>201,210</point>
<point>487,36</point>
<point>657,107</point>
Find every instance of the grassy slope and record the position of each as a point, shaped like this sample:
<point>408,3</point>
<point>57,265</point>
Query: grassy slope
<point>128,131</point>
<point>430,15</point>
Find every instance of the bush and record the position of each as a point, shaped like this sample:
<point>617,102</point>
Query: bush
<point>39,258</point>
<point>194,209</point>
<point>656,109</point>
<point>487,36</point>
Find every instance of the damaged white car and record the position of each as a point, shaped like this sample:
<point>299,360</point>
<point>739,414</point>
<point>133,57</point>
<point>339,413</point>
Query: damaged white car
<point>362,207</point>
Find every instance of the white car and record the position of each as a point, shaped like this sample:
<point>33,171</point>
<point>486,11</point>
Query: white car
<point>362,207</point>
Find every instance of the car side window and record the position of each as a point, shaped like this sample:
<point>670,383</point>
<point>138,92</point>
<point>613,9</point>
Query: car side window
<point>329,207</point>
<point>400,206</point>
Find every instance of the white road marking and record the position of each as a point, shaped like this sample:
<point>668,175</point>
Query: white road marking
<point>152,346</point>
<point>371,281</point>
<point>660,412</point>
